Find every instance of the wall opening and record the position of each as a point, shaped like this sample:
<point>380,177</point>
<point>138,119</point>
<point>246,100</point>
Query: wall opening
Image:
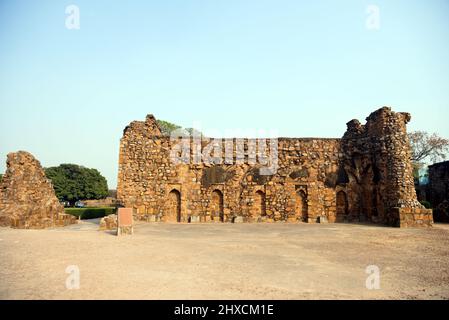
<point>342,177</point>
<point>342,203</point>
<point>301,209</point>
<point>259,204</point>
<point>217,207</point>
<point>174,206</point>
<point>374,211</point>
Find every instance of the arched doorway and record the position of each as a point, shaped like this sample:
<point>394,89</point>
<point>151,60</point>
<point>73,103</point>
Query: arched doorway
<point>301,209</point>
<point>342,204</point>
<point>217,205</point>
<point>260,208</point>
<point>174,206</point>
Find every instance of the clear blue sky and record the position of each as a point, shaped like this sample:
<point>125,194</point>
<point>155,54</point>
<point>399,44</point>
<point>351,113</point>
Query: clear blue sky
<point>301,68</point>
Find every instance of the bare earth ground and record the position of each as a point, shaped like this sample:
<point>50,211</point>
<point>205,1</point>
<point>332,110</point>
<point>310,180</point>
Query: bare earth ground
<point>225,261</point>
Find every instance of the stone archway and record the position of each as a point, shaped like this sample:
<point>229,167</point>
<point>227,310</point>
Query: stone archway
<point>174,207</point>
<point>342,204</point>
<point>217,207</point>
<point>301,208</point>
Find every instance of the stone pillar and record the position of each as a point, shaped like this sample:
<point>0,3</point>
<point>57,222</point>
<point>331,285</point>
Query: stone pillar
<point>402,206</point>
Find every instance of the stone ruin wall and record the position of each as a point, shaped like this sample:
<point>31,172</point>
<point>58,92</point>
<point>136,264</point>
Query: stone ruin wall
<point>437,191</point>
<point>27,197</point>
<point>438,187</point>
<point>377,161</point>
<point>148,178</point>
<point>365,176</point>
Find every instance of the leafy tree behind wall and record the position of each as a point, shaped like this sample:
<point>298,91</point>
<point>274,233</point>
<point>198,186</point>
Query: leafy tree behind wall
<point>426,149</point>
<point>72,183</point>
<point>167,128</point>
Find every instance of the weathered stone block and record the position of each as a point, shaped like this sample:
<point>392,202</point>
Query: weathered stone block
<point>195,219</point>
<point>323,219</point>
<point>239,219</point>
<point>109,223</point>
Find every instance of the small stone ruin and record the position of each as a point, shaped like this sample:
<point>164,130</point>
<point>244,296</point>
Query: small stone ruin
<point>27,197</point>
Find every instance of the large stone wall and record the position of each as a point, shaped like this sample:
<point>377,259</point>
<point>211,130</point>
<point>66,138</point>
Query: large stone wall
<point>27,198</point>
<point>366,176</point>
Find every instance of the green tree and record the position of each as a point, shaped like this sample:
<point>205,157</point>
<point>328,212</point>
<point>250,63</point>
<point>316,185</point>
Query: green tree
<point>194,132</point>
<point>167,127</point>
<point>72,183</point>
<point>1,177</point>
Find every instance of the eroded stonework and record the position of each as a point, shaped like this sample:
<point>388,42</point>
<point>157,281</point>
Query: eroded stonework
<point>365,176</point>
<point>438,190</point>
<point>27,198</point>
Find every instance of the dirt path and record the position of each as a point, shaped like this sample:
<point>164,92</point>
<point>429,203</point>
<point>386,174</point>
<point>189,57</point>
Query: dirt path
<point>225,261</point>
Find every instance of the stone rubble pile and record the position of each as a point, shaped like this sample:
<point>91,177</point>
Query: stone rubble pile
<point>108,223</point>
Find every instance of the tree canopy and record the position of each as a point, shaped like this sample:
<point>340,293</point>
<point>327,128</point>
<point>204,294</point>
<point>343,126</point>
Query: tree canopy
<point>427,146</point>
<point>73,182</point>
<point>1,177</point>
<point>167,128</point>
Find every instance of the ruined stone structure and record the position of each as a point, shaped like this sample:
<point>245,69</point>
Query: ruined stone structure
<point>365,176</point>
<point>437,192</point>
<point>27,198</point>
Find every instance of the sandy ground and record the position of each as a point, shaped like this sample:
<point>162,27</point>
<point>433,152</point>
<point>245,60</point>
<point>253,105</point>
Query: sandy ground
<point>225,261</point>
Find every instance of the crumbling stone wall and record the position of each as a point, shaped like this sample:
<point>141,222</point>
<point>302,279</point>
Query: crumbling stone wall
<point>367,175</point>
<point>376,158</point>
<point>27,198</point>
<point>437,192</point>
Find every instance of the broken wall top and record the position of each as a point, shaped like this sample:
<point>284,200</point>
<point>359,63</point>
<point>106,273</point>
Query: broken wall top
<point>25,181</point>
